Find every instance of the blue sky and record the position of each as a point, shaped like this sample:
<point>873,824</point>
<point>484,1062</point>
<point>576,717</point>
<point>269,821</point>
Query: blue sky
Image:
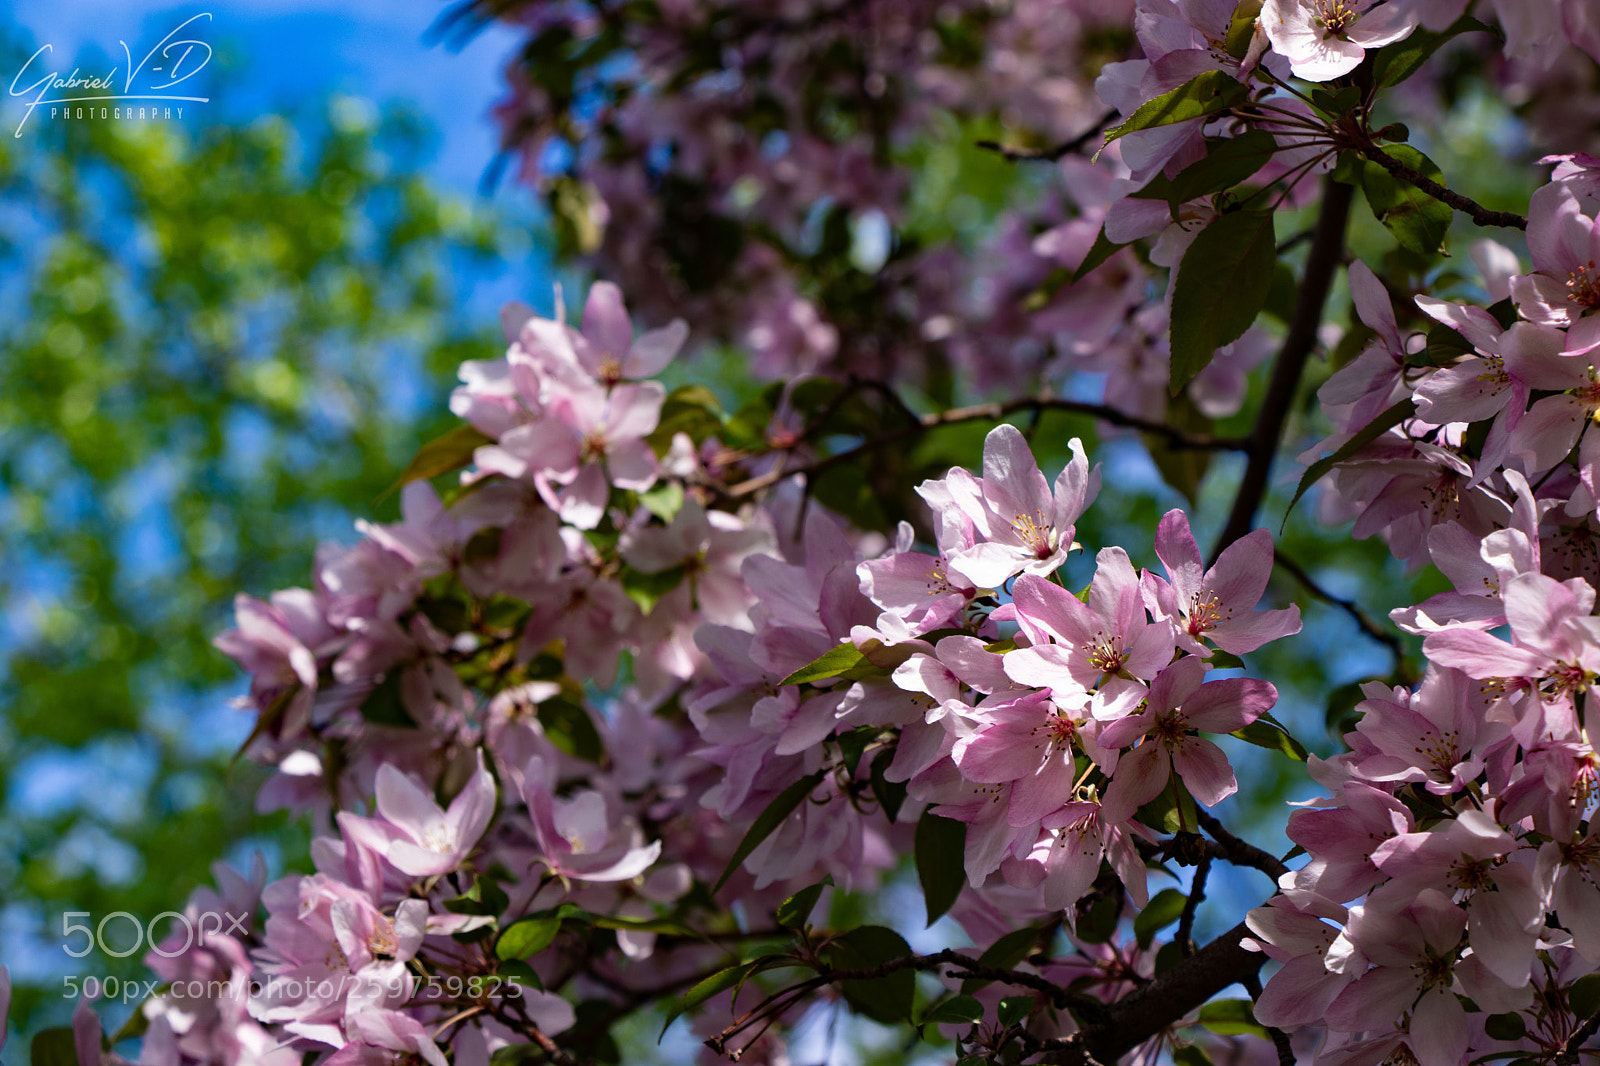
<point>292,53</point>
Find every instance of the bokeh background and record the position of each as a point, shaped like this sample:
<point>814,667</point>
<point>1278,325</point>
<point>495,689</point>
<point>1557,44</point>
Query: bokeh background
<point>220,339</point>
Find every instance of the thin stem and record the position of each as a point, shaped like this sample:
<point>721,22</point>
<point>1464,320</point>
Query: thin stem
<point>1327,249</point>
<point>1050,155</point>
<point>1350,607</point>
<point>994,412</point>
<point>1239,852</point>
<point>1197,893</point>
<point>1483,216</point>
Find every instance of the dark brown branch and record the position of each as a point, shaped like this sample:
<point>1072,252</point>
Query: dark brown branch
<point>1240,852</point>
<point>1280,1039</point>
<point>1327,249</point>
<point>1197,893</point>
<point>1568,1055</point>
<point>1049,155</point>
<point>1483,216</point>
<point>994,412</point>
<point>1383,636</point>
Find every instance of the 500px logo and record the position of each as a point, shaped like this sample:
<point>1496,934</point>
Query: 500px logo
<point>145,933</point>
<point>93,988</point>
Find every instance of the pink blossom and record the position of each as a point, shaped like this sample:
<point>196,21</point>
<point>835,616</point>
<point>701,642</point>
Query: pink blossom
<point>1107,645</point>
<point>1323,39</point>
<point>413,833</point>
<point>1025,527</point>
<point>1178,704</point>
<point>1218,604</point>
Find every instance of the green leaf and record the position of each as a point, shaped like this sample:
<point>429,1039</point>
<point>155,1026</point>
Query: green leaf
<point>646,589</point>
<point>660,926</point>
<point>1417,220</point>
<point>940,850</point>
<point>1584,996</point>
<point>1097,924</point>
<point>1099,252</point>
<point>793,912</point>
<point>484,897</point>
<point>1208,94</point>
<point>690,409</point>
<point>891,795</point>
<point>1231,1017</point>
<point>53,1047</point>
<point>768,821</point>
<point>717,983</point>
<point>664,499</point>
<point>1015,1009</point>
<point>1227,162</point>
<point>835,662</point>
<point>1221,286</point>
<point>1266,732</point>
<point>1164,908</point>
<point>957,1010</point>
<point>519,972</point>
<point>527,936</point>
<point>1191,1055</point>
<point>1369,433</point>
<point>1505,1026</point>
<point>442,454</point>
<point>885,999</point>
<point>1394,63</point>
<point>570,728</point>
<point>1241,28</point>
<point>1005,954</point>
<point>383,705</point>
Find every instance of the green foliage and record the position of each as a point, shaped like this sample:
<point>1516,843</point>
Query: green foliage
<point>938,849</point>
<point>1209,93</point>
<point>1222,284</point>
<point>207,327</point>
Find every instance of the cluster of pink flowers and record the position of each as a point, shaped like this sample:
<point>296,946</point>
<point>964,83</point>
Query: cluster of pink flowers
<point>570,732</point>
<point>431,702</point>
<point>1454,855</point>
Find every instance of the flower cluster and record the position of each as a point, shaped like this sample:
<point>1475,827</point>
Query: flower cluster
<point>1454,853</point>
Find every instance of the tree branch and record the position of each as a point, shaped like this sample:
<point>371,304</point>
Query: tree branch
<point>1197,892</point>
<point>1350,607</point>
<point>1483,216</point>
<point>1240,852</point>
<point>1014,154</point>
<point>1327,248</point>
<point>994,412</point>
<point>1568,1055</point>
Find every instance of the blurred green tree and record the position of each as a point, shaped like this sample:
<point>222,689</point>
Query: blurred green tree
<point>215,340</point>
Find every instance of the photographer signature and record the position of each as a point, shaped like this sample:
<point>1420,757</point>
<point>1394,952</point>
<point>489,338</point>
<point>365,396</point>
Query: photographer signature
<point>181,60</point>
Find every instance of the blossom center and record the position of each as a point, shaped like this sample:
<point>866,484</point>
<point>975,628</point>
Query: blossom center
<point>1583,285</point>
<point>383,943</point>
<point>1104,654</point>
<point>1205,612</point>
<point>1036,533</point>
<point>594,447</point>
<point>1335,16</point>
<point>610,371</point>
<point>438,838</point>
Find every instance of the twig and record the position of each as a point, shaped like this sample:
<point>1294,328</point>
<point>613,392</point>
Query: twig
<point>1327,246</point>
<point>1280,1039</point>
<point>1483,216</point>
<point>1016,154</point>
<point>1173,993</point>
<point>1197,892</point>
<point>1569,1051</point>
<point>994,412</point>
<point>1350,607</point>
<point>1239,852</point>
